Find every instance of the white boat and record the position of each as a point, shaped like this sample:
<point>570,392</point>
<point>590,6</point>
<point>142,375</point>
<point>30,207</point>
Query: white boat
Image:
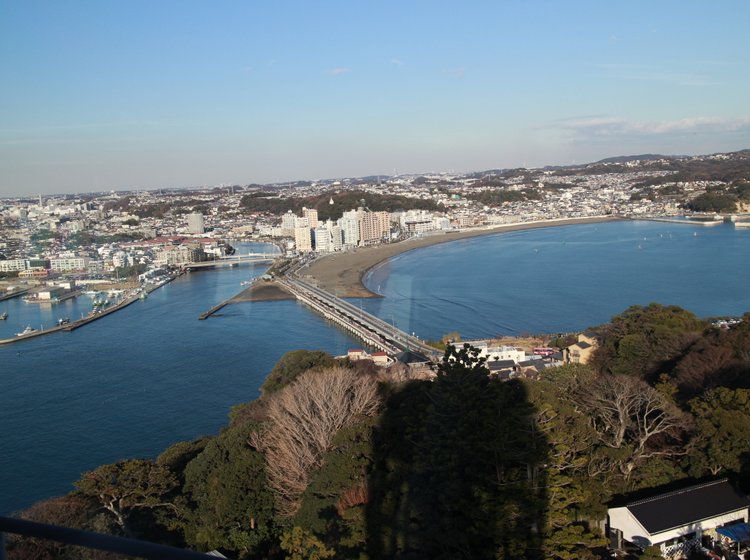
<point>27,330</point>
<point>3,316</point>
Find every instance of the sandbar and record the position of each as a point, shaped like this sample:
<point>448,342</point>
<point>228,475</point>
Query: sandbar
<point>342,274</point>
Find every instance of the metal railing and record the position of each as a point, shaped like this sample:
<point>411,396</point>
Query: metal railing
<point>99,541</point>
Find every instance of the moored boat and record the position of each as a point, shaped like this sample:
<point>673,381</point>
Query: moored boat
<point>3,316</point>
<point>28,330</point>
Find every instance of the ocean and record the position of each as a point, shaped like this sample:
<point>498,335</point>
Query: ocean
<point>150,375</point>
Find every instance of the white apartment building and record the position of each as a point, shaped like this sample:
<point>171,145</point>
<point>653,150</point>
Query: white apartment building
<point>495,353</point>
<point>303,239</point>
<point>69,263</point>
<point>349,224</point>
<point>337,236</point>
<point>196,224</point>
<point>417,221</point>
<point>13,265</point>
<point>288,223</point>
<point>323,241</point>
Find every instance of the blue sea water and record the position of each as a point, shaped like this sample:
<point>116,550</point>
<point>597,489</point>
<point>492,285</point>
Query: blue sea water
<point>562,279</point>
<point>134,382</point>
<point>138,380</point>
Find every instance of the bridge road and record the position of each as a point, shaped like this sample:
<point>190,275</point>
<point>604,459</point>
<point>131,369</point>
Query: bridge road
<point>350,313</point>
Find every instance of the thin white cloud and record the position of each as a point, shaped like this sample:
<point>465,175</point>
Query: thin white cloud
<point>617,126</point>
<point>397,61</point>
<point>339,71</point>
<point>457,73</point>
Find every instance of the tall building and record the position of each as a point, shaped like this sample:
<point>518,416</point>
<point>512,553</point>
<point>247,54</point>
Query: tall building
<point>349,223</point>
<point>195,223</point>
<point>312,216</point>
<point>323,241</point>
<point>337,237</point>
<point>373,226</point>
<point>288,223</point>
<point>303,239</point>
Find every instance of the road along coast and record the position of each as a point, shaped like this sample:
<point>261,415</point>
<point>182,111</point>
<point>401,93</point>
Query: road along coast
<point>342,274</point>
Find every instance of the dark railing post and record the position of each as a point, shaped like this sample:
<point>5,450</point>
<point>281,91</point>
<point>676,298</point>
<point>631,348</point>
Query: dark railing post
<point>99,541</point>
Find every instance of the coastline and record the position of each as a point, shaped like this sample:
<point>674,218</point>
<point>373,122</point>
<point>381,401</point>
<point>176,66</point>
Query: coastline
<point>343,274</point>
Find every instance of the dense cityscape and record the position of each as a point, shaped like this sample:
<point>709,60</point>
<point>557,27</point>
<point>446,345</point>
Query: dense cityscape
<point>139,232</point>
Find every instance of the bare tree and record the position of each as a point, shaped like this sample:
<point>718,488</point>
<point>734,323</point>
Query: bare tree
<point>627,413</point>
<point>303,420</point>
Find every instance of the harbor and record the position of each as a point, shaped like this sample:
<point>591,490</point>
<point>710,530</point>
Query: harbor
<point>97,311</point>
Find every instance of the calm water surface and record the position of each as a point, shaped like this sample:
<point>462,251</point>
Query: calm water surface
<point>150,375</point>
<point>562,279</point>
<point>136,381</point>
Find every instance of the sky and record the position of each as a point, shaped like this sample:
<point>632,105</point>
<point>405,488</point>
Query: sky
<point>99,95</point>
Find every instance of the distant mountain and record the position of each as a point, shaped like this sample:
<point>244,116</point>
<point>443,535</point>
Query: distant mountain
<point>644,157</point>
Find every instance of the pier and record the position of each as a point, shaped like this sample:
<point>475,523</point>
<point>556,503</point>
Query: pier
<point>73,325</point>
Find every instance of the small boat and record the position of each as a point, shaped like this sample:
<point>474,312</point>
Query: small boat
<point>27,330</point>
<point>3,316</point>
<point>63,321</point>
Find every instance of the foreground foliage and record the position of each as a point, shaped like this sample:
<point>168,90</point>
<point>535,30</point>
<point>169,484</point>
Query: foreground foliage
<point>335,461</point>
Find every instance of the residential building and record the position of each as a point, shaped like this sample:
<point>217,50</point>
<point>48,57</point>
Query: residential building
<point>69,263</point>
<point>676,521</point>
<point>303,239</point>
<point>312,216</point>
<point>196,224</point>
<point>582,351</point>
<point>13,265</point>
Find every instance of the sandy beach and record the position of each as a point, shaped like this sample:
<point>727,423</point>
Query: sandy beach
<point>342,273</point>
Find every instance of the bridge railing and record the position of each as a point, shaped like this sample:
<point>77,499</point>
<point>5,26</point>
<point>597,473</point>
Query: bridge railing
<point>98,541</point>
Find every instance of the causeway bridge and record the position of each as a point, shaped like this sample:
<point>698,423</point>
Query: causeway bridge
<point>370,329</point>
<point>234,260</point>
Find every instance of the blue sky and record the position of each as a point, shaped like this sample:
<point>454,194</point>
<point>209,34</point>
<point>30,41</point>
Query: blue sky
<point>103,94</point>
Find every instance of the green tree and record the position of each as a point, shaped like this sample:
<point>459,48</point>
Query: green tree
<point>126,486</point>
<point>232,507</point>
<point>722,417</point>
<point>292,364</point>
<point>643,341</point>
<point>303,545</point>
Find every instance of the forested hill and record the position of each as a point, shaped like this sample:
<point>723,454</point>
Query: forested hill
<point>340,460</point>
<point>331,204</point>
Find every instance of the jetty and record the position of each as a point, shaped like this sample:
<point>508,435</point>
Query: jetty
<point>14,294</point>
<point>90,318</point>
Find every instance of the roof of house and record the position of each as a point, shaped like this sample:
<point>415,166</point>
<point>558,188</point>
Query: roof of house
<point>689,505</point>
<point>583,345</point>
<point>411,357</point>
<point>500,364</point>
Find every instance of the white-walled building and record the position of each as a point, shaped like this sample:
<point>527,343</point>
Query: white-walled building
<point>196,225</point>
<point>13,265</point>
<point>303,239</point>
<point>675,519</point>
<point>69,263</point>
<point>496,353</point>
<point>349,224</point>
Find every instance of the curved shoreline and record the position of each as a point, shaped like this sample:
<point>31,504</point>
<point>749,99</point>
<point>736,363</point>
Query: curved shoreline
<point>344,274</point>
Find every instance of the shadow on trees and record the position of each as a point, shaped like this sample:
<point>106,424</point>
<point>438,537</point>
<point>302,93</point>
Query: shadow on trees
<point>457,468</point>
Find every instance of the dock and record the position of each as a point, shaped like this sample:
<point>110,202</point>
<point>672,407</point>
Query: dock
<point>77,324</point>
<point>15,294</point>
<point>214,309</point>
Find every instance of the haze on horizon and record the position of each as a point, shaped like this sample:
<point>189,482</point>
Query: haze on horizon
<point>120,95</point>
